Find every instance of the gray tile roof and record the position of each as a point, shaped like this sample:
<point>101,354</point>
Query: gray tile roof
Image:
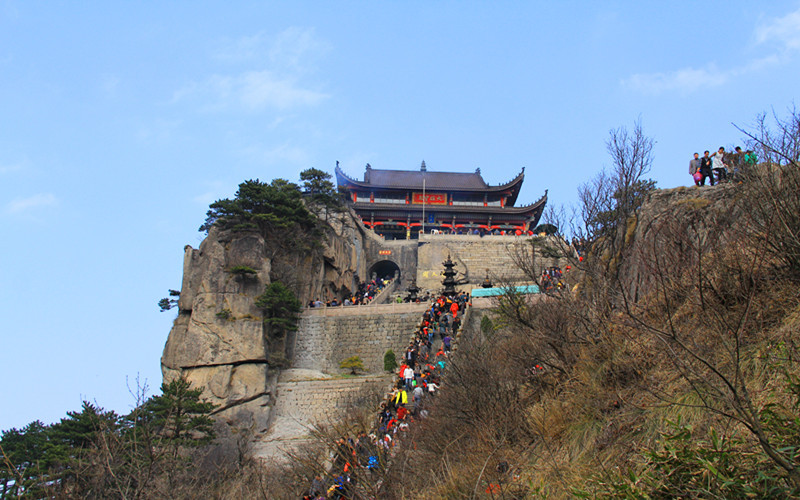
<point>433,180</point>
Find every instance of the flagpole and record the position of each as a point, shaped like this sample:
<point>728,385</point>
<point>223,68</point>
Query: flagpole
<point>423,205</point>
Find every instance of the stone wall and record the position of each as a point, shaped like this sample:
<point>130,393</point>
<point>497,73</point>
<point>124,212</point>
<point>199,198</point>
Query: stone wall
<point>327,336</point>
<point>473,255</point>
<point>303,400</point>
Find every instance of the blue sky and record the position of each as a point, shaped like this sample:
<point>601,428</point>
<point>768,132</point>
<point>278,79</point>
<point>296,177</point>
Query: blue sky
<point>121,122</point>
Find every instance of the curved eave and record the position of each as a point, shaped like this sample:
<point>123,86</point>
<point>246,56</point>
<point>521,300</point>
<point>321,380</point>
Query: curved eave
<point>342,179</point>
<point>512,187</point>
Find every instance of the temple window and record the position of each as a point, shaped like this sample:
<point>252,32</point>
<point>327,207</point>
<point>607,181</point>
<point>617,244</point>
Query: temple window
<point>468,200</point>
<point>399,198</point>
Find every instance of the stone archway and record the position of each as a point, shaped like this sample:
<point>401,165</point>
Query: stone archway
<point>384,269</point>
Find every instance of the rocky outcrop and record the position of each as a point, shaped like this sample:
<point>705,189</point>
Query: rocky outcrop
<point>218,340</point>
<point>674,228</point>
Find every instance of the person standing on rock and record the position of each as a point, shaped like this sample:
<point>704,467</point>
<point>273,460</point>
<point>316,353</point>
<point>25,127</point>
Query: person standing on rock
<point>705,169</point>
<point>718,164</point>
<point>694,169</point>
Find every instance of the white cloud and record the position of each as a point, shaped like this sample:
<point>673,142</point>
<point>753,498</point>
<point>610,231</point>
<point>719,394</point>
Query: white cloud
<point>294,49</point>
<point>297,49</point>
<point>783,32</point>
<point>682,80</point>
<point>20,205</point>
<point>274,79</point>
<point>251,91</point>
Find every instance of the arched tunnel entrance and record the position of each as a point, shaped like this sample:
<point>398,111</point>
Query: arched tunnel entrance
<point>384,269</point>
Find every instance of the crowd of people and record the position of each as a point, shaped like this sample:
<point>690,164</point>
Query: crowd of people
<point>720,166</point>
<point>365,292</point>
<point>418,379</point>
<point>551,279</point>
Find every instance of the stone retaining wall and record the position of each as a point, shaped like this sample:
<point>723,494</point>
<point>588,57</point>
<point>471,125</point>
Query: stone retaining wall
<point>326,337</point>
<point>473,255</point>
<point>302,403</point>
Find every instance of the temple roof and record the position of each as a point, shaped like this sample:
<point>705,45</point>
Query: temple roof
<point>413,179</point>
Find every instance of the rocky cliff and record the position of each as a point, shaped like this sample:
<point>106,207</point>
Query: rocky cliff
<point>218,340</point>
<point>674,229</point>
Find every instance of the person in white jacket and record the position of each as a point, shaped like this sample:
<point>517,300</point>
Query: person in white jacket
<point>408,376</point>
<point>718,164</point>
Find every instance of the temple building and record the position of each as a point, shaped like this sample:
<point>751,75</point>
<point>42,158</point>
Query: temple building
<point>400,204</point>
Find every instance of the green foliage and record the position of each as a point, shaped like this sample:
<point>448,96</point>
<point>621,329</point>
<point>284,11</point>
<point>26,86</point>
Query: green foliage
<point>281,307</point>
<point>168,303</point>
<point>179,415</point>
<point>244,271</point>
<point>353,363</point>
<point>267,208</point>
<point>685,465</point>
<point>225,314</point>
<point>25,460</point>
<point>95,453</point>
<point>320,190</point>
<point>389,361</point>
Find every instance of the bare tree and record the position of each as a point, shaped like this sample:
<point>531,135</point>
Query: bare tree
<point>771,188</point>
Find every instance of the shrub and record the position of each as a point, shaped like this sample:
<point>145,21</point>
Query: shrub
<point>225,314</point>
<point>389,361</point>
<point>353,363</point>
<point>243,271</point>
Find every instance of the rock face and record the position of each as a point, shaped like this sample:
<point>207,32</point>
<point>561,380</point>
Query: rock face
<point>669,225</point>
<point>218,340</point>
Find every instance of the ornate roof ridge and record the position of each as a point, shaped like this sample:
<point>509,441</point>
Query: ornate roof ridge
<point>541,200</point>
<point>512,181</point>
<point>341,172</point>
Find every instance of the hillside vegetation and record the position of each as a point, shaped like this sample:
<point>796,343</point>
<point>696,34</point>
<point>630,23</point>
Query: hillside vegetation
<point>668,368</point>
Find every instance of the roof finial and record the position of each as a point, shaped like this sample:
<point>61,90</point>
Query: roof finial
<point>423,168</point>
<point>478,170</point>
